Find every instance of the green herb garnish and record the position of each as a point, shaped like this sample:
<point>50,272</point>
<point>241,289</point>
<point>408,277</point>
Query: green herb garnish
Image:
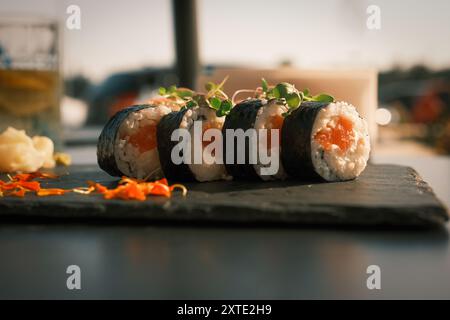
<point>214,97</point>
<point>191,104</point>
<point>323,97</point>
<point>288,94</point>
<point>283,91</point>
<point>177,94</point>
<point>225,108</point>
<point>217,99</point>
<point>265,85</point>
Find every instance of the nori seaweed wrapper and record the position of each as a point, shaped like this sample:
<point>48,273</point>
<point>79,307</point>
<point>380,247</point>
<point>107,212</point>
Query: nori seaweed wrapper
<point>242,116</point>
<point>172,171</point>
<point>106,142</point>
<point>296,141</point>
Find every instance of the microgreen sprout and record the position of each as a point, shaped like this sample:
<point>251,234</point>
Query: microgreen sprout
<point>214,98</point>
<point>289,95</point>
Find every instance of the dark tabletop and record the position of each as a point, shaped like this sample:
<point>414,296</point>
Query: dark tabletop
<point>187,261</point>
<point>165,262</point>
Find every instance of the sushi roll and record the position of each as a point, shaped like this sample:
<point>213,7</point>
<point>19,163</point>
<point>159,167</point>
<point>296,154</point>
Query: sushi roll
<point>127,144</point>
<point>326,141</point>
<point>204,170</point>
<point>255,114</point>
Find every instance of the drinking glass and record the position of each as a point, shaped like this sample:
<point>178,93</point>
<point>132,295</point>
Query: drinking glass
<point>30,85</point>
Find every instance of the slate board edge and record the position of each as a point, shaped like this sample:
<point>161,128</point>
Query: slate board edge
<point>121,211</point>
<point>316,215</point>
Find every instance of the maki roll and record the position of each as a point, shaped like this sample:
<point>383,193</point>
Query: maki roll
<point>127,145</point>
<point>256,114</point>
<point>209,168</point>
<point>327,141</point>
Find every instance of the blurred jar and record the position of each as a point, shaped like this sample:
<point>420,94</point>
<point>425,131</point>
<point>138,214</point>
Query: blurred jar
<point>30,84</point>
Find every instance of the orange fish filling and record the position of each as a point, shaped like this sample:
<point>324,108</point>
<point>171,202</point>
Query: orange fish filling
<point>276,122</point>
<point>341,135</point>
<point>206,126</point>
<point>144,139</point>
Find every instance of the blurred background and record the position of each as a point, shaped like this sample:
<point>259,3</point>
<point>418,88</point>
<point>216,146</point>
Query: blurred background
<point>65,80</point>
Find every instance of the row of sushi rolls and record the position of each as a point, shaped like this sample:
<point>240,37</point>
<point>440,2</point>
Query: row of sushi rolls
<point>273,132</point>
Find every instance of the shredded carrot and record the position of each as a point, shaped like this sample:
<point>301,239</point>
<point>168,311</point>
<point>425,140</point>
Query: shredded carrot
<point>51,192</point>
<point>19,192</point>
<point>157,189</point>
<point>22,177</point>
<point>97,187</point>
<point>163,181</point>
<point>127,189</point>
<point>34,175</point>
<point>135,189</point>
<point>12,187</point>
<point>31,185</point>
<point>9,186</point>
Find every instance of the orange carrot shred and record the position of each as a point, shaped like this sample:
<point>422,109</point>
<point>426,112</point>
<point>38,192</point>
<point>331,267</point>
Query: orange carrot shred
<point>127,189</point>
<point>51,192</point>
<point>31,185</point>
<point>34,175</point>
<point>20,192</point>
<point>10,186</point>
<point>160,190</point>
<point>98,187</point>
<point>163,181</point>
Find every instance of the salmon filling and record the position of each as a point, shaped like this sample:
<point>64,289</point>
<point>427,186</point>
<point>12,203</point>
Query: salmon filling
<point>207,126</point>
<point>144,139</point>
<point>276,122</point>
<point>341,135</point>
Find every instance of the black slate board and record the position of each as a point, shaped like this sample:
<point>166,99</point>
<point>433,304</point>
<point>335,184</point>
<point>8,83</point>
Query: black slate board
<point>384,195</point>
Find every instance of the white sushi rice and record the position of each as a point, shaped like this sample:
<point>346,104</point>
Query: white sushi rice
<point>263,118</point>
<point>130,161</point>
<point>335,165</point>
<point>204,171</point>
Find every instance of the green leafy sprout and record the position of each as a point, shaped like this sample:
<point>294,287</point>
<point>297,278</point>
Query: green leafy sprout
<point>214,98</point>
<point>287,93</point>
